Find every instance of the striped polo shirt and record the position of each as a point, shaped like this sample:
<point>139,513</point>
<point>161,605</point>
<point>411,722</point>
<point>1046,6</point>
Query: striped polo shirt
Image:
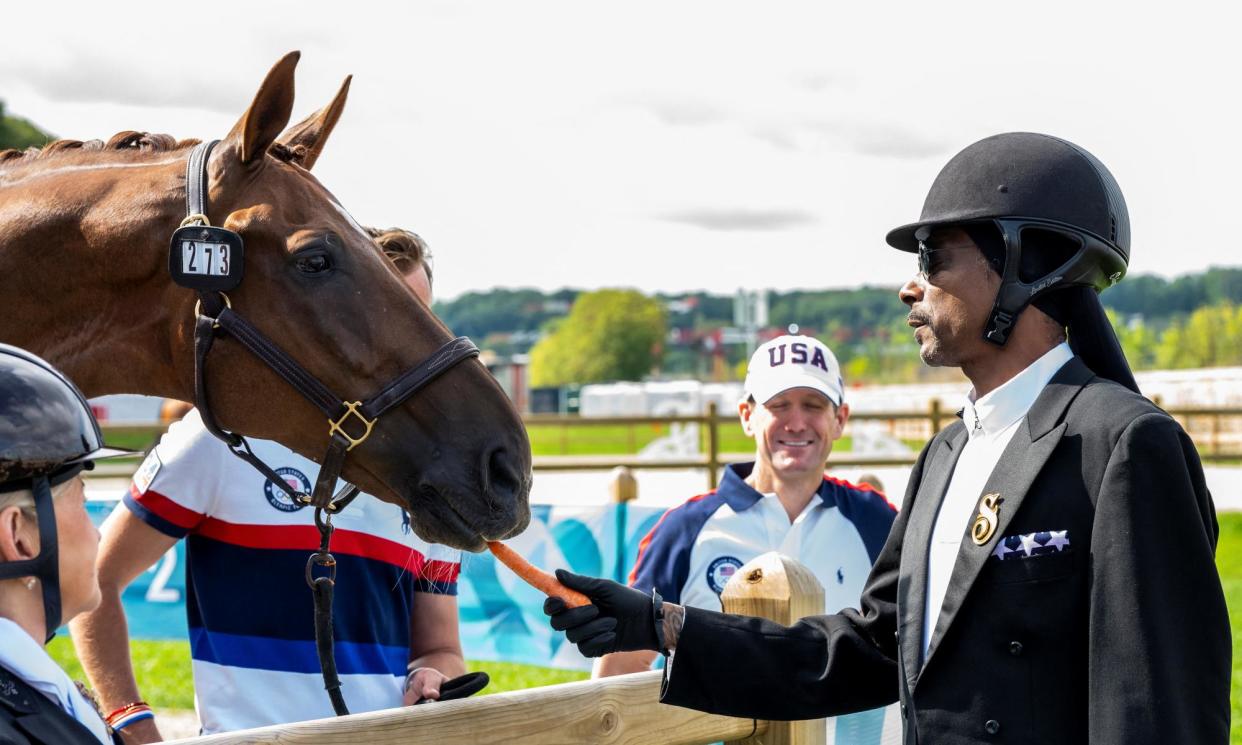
<point>697,546</point>
<point>250,612</point>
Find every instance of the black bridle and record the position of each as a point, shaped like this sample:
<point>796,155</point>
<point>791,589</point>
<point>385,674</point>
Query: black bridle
<point>349,422</point>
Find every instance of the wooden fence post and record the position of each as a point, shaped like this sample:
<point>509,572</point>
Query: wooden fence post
<point>713,446</point>
<point>935,416</point>
<point>623,487</point>
<point>780,589</point>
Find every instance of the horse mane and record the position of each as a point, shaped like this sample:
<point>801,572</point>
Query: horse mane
<point>126,144</point>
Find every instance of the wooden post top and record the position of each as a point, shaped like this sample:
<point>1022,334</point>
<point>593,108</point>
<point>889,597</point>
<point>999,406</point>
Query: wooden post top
<point>623,487</point>
<point>778,588</point>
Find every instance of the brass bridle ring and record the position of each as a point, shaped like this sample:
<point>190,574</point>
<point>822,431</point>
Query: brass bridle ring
<point>337,426</point>
<point>198,308</point>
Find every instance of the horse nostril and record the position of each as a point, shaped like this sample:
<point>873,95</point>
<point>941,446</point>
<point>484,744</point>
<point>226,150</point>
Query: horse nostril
<point>503,481</point>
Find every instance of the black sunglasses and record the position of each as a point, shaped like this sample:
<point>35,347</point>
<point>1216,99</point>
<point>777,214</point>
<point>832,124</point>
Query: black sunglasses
<point>925,259</point>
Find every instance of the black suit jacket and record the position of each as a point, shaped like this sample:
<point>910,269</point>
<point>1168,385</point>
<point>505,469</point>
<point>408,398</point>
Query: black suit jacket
<point>1121,638</point>
<point>27,717</point>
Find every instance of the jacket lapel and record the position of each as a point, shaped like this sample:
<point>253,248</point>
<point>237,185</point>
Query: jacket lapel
<point>917,542</point>
<point>1024,457</point>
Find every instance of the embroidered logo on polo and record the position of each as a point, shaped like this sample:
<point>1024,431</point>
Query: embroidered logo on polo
<point>146,472</point>
<point>277,496</point>
<point>1032,545</point>
<point>721,570</point>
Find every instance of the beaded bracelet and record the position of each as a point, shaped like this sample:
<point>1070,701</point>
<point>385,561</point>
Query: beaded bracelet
<point>128,714</point>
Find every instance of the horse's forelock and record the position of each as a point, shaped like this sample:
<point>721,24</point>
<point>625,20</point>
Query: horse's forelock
<point>131,140</point>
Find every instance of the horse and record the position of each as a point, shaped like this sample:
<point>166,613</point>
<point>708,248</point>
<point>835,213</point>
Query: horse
<point>85,283</point>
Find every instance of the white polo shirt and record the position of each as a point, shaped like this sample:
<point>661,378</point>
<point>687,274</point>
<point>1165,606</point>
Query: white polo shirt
<point>695,548</point>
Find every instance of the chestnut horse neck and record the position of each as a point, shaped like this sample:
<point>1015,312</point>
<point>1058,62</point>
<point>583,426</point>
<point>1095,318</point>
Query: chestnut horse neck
<point>83,261</point>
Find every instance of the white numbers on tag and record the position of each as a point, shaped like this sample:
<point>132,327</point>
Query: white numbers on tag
<point>199,257</point>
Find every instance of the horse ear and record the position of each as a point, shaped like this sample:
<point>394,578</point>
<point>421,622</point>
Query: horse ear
<point>307,138</point>
<point>268,114</point>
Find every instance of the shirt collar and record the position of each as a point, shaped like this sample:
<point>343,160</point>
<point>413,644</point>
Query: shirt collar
<point>28,660</point>
<point>740,496</point>
<point>1004,406</point>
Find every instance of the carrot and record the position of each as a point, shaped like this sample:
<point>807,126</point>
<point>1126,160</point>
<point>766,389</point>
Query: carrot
<point>536,577</point>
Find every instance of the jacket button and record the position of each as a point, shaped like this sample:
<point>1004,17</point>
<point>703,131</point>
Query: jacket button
<point>1015,649</point>
<point>992,726</point>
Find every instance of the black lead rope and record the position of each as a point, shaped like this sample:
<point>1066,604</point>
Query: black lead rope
<point>210,260</point>
<point>321,589</point>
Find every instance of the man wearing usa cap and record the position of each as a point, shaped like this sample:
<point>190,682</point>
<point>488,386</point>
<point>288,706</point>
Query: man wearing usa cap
<point>1051,576</point>
<point>794,409</point>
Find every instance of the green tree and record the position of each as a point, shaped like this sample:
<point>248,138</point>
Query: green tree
<point>503,311</point>
<point>608,335</point>
<point>18,133</point>
<point>1210,337</point>
<point>1139,340</point>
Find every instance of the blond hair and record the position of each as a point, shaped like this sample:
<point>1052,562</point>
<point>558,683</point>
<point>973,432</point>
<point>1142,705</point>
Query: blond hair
<point>24,498</point>
<point>406,250</point>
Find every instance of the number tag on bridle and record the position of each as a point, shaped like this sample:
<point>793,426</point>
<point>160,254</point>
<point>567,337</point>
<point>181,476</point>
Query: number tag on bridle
<point>206,258</point>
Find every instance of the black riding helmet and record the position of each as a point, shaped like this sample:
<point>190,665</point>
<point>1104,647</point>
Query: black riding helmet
<point>48,434</point>
<point>1037,194</point>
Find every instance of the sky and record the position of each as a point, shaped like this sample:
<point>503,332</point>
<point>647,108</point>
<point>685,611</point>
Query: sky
<point>673,146</point>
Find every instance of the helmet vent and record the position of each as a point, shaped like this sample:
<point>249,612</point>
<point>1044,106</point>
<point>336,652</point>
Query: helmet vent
<point>1112,228</point>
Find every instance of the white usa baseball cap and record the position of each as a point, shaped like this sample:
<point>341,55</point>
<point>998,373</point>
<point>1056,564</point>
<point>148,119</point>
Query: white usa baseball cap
<point>794,362</point>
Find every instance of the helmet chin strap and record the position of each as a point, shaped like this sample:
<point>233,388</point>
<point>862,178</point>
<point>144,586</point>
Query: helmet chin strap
<point>1012,297</point>
<point>46,565</point>
<point>49,552</point>
<point>1091,336</point>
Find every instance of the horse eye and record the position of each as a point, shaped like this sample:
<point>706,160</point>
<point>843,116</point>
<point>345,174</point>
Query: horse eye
<point>315,263</point>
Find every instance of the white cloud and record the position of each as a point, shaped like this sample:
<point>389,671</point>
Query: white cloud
<point>549,143</point>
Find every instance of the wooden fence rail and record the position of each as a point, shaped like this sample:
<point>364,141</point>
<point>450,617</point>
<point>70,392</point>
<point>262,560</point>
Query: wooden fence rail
<point>624,709</point>
<point>1216,442</point>
<point>621,710</point>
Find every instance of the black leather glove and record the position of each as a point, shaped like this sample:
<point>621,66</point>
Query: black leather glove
<point>619,619</point>
<point>459,687</point>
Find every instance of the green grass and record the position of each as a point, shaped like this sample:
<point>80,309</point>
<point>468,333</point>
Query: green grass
<point>620,439</point>
<point>510,676</point>
<point>163,672</point>
<point>1229,563</point>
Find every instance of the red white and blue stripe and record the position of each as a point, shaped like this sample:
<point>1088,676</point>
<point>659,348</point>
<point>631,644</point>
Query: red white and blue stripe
<point>249,610</point>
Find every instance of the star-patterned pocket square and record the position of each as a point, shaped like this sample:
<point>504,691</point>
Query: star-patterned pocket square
<point>1031,545</point>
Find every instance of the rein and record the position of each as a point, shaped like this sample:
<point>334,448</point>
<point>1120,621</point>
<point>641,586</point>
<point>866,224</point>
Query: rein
<point>209,260</point>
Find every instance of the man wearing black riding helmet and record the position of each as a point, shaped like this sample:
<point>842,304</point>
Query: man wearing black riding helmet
<point>1051,575</point>
<point>48,545</point>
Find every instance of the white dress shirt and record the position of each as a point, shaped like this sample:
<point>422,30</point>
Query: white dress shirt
<point>990,423</point>
<point>28,660</point>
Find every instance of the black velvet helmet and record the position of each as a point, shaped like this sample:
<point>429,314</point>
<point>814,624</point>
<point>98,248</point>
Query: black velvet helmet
<point>46,425</point>
<point>1041,193</point>
<point>48,434</point>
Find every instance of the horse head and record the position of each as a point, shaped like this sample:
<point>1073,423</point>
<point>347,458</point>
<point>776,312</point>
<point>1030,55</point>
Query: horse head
<point>455,455</point>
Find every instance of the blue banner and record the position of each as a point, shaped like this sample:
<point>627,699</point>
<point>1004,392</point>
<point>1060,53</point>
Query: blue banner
<point>501,617</point>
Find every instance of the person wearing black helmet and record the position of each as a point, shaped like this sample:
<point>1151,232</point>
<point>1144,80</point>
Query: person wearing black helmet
<point>48,544</point>
<point>1051,575</point>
